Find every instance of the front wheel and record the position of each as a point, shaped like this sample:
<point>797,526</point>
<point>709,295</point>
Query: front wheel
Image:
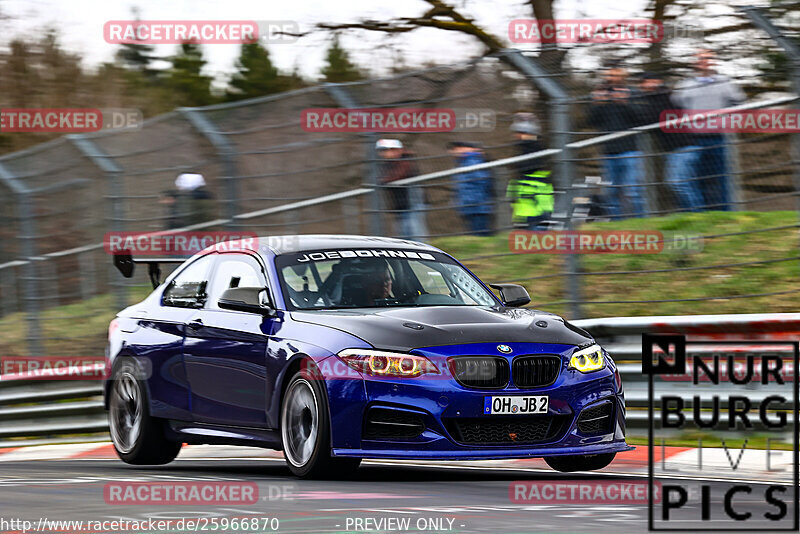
<point>568,464</point>
<point>306,431</point>
<point>138,437</point>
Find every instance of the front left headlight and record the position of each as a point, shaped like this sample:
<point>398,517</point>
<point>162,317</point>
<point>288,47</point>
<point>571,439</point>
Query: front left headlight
<point>588,360</point>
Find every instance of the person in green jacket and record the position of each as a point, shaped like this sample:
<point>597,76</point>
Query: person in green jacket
<point>530,190</point>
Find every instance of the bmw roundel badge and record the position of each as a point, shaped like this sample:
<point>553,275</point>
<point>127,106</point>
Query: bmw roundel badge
<point>505,349</point>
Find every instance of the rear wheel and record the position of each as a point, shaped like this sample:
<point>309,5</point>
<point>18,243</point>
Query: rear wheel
<point>568,464</point>
<point>138,437</point>
<point>306,431</point>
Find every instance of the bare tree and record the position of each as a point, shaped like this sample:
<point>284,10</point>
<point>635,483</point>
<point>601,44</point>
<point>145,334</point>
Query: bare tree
<point>444,16</point>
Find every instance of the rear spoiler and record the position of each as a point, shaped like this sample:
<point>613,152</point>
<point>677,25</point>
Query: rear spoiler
<point>125,263</point>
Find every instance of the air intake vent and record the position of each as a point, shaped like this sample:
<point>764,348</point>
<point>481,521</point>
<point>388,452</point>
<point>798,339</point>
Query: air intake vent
<point>520,429</point>
<point>595,419</point>
<point>535,371</point>
<point>385,423</point>
<point>480,372</point>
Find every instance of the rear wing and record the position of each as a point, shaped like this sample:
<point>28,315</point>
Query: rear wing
<point>125,264</point>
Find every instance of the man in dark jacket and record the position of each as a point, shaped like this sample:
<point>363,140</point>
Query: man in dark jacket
<point>195,202</point>
<point>681,148</point>
<point>407,202</point>
<point>474,189</point>
<point>613,111</point>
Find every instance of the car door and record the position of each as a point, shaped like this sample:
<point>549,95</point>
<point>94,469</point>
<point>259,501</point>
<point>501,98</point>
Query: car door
<point>225,351</point>
<point>158,340</point>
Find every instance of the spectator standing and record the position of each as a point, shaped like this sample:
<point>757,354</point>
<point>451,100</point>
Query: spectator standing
<point>681,149</point>
<point>613,111</point>
<point>530,190</point>
<point>169,199</point>
<point>407,202</point>
<point>474,189</point>
<point>709,90</point>
<point>194,201</point>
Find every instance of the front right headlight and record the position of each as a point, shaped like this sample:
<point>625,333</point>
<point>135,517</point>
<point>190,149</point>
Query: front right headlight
<point>588,360</point>
<point>384,363</point>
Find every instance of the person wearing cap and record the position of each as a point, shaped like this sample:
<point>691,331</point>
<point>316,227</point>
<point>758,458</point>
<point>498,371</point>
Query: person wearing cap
<point>194,201</point>
<point>408,203</point>
<point>474,189</point>
<point>613,111</point>
<point>530,190</point>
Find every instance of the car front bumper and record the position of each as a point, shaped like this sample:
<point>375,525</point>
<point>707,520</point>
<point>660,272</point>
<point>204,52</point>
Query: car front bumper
<point>440,401</point>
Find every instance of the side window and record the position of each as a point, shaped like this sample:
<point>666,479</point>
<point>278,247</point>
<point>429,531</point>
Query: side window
<point>235,270</point>
<point>188,289</point>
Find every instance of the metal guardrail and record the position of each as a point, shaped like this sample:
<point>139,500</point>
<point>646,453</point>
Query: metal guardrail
<point>55,411</point>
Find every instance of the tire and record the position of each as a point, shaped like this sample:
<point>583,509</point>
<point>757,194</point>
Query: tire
<point>138,437</point>
<point>568,464</point>
<point>306,431</point>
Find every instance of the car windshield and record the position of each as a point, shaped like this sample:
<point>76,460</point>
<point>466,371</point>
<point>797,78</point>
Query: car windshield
<point>372,278</point>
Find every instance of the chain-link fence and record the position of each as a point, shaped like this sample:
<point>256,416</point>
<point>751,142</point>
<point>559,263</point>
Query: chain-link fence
<point>568,146</point>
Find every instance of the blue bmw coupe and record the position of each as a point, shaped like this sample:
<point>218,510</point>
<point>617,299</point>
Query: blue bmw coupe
<point>338,348</point>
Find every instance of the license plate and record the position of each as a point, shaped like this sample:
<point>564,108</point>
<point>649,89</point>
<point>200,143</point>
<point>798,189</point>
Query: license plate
<point>537,404</point>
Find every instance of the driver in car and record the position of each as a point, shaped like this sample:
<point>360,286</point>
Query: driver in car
<point>378,283</point>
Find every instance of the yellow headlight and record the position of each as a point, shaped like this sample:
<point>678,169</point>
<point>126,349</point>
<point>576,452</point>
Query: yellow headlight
<point>588,359</point>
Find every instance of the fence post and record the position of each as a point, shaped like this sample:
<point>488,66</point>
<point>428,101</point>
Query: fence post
<point>10,302</point>
<point>28,276</point>
<point>792,50</point>
<point>564,171</point>
<point>734,170</point>
<point>647,146</point>
<point>226,152</point>
<point>88,274</point>
<point>114,175</point>
<point>342,97</point>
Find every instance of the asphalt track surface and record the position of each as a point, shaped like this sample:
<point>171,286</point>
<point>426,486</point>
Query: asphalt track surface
<point>385,497</point>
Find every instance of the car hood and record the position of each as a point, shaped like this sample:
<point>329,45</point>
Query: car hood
<point>410,328</point>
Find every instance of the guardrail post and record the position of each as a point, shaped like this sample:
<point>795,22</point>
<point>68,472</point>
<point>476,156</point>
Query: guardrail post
<point>342,97</point>
<point>792,50</point>
<point>226,152</point>
<point>564,171</point>
<point>114,174</point>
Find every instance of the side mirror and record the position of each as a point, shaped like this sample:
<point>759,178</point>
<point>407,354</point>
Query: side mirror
<point>245,299</point>
<point>512,295</point>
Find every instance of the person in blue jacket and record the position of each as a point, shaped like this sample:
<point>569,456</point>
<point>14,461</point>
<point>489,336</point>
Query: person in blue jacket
<point>474,189</point>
